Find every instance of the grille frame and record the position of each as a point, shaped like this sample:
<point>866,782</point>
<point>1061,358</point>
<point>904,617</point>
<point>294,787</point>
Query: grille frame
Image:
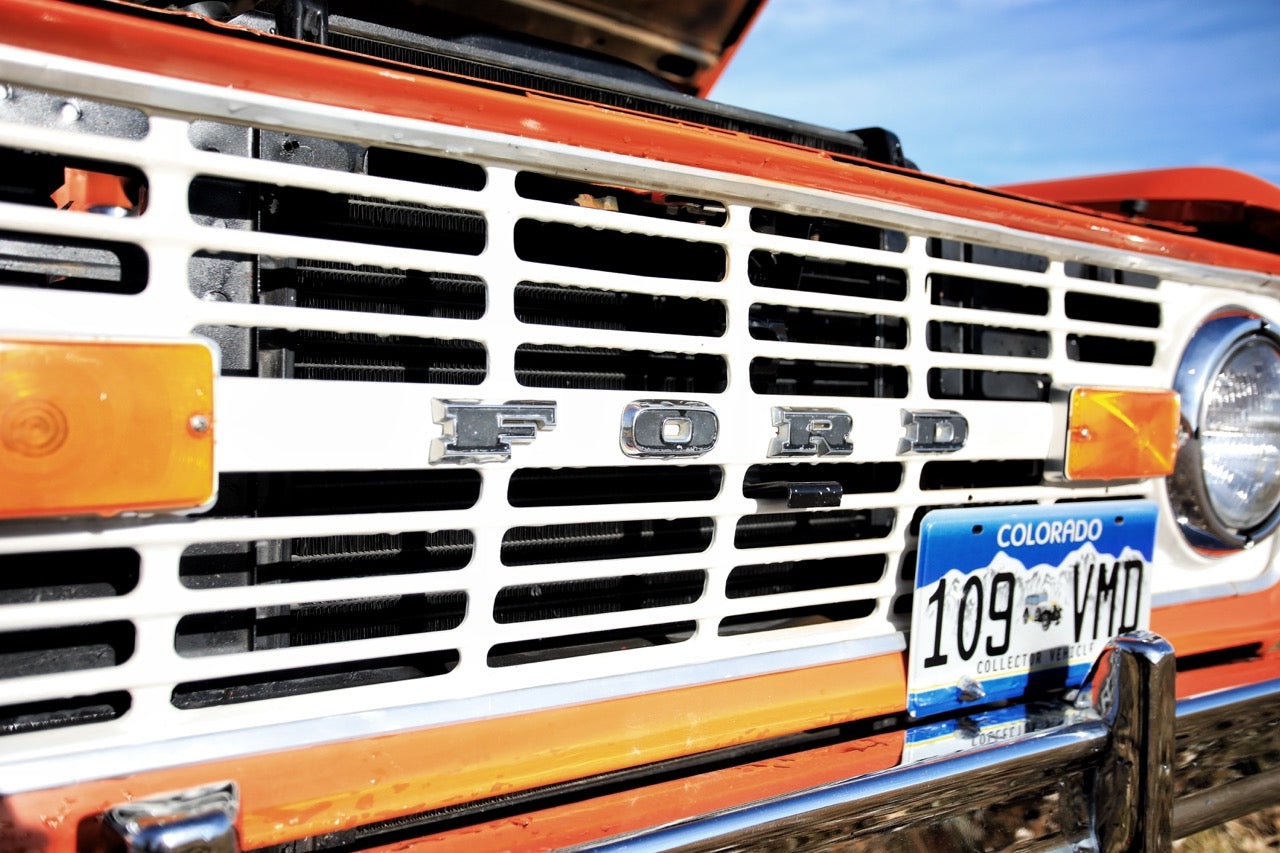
<point>267,425</point>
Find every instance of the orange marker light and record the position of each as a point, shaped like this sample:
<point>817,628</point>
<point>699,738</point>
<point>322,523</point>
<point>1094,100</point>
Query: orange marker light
<point>104,426</point>
<point>1118,433</point>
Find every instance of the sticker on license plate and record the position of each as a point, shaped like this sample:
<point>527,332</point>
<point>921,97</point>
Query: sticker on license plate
<point>1013,601</point>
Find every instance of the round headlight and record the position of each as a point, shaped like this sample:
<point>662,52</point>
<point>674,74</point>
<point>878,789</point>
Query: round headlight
<point>1225,487</point>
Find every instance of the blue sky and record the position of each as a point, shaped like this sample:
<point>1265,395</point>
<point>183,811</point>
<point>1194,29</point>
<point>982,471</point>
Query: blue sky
<point>997,91</point>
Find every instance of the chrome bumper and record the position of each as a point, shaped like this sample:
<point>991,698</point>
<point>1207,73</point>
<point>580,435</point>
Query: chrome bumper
<point>1138,771</point>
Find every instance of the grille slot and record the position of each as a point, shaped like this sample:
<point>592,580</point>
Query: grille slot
<point>316,679</point>
<point>805,528</point>
<point>650,203</point>
<point>424,169</point>
<point>378,290</point>
<point>332,216</point>
<point>588,308</point>
<point>827,378</point>
<point>855,478</point>
<point>605,540</point>
<point>1112,309</point>
<point>344,492</point>
<point>992,256</point>
<point>1110,350</point>
<point>64,263</point>
<point>535,602</point>
<point>795,617</point>
<point>531,487</point>
<point>47,180</point>
<point>960,384</point>
<point>823,275</point>
<point>310,354</point>
<point>983,295</point>
<point>316,623</point>
<point>61,713</point>
<point>594,643</point>
<point>618,252</point>
<point>216,565</point>
<point>1093,272</point>
<point>986,474</point>
<point>763,579</point>
<point>552,366</point>
<point>987,340</point>
<point>66,576</point>
<point>824,230</point>
<point>46,650</point>
<point>820,326</point>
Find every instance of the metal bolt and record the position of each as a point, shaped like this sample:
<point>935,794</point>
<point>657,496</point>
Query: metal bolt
<point>198,423</point>
<point>70,113</point>
<point>6,91</point>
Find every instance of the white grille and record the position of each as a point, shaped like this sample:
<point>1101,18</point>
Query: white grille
<point>342,571</point>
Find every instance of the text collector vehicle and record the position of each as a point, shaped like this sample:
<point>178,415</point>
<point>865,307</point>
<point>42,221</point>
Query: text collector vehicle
<point>431,425</point>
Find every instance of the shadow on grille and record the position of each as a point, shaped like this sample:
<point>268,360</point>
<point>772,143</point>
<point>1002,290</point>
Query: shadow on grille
<point>67,575</point>
<point>260,686</point>
<point>617,251</point>
<point>591,596</point>
<point>821,275</point>
<point>214,565</point>
<point>605,540</point>
<point>317,623</point>
<point>60,713</point>
<point>827,378</point>
<point>822,326</point>
<point>803,528</point>
<point>46,650</point>
<point>949,383</point>
<point>612,485</point>
<point>639,202</point>
<point>823,230</point>
<point>550,366</point>
<point>588,308</point>
<point>804,575</point>
<point>594,643</point>
<point>280,493</point>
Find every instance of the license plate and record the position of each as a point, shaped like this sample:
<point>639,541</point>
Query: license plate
<point>1014,601</point>
<point>996,725</point>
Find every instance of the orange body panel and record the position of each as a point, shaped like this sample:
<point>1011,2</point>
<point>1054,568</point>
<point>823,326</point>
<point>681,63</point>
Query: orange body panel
<point>253,63</point>
<point>299,792</point>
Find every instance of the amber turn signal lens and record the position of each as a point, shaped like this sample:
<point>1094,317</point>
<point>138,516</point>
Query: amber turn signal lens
<point>1119,433</point>
<point>104,427</point>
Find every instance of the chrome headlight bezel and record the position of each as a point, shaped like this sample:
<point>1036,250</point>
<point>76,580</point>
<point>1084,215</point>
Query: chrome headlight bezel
<point>1211,348</point>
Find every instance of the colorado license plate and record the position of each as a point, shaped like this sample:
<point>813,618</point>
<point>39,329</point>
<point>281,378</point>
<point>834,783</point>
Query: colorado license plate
<point>1013,601</point>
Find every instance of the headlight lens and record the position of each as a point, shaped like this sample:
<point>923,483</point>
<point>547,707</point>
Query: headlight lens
<point>1226,484</point>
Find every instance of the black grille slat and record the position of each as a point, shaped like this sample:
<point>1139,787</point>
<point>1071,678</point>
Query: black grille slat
<point>379,290</point>
<point>824,230</point>
<point>765,579</point>
<point>983,474</point>
<point>552,366</point>
<point>975,339</point>
<point>822,326</point>
<point>963,384</point>
<point>565,599</point>
<point>67,575</point>
<point>318,623</point>
<point>588,308</point>
<point>992,256</point>
<point>658,205</point>
<point>984,295</point>
<point>257,687</point>
<point>1096,308</point>
<point>795,617</point>
<point>332,356</point>
<point>593,643</point>
<point>827,378</point>
<point>1101,350</point>
<point>805,528</point>
<point>42,651</point>
<point>281,493</point>
<point>532,487</point>
<point>618,251</point>
<point>61,713</point>
<point>605,540</point>
<point>216,565</point>
<point>855,478</point>
<point>821,275</point>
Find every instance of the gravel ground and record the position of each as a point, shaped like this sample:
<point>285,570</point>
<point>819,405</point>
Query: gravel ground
<point>1254,833</point>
